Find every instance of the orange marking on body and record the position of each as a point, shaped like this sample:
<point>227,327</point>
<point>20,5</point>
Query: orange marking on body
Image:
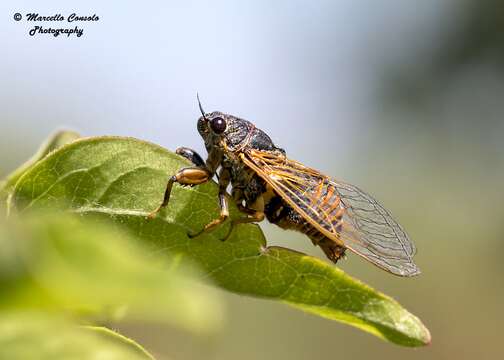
<point>329,194</point>
<point>339,214</point>
<point>317,194</point>
<point>334,205</point>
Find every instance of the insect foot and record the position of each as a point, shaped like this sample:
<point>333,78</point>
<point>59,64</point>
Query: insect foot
<point>153,214</point>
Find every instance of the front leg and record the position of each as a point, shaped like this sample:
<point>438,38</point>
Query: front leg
<point>191,155</point>
<point>199,174</point>
<point>186,176</point>
<point>224,179</point>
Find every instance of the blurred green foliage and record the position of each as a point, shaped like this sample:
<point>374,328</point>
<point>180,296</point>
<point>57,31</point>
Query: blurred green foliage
<point>122,179</point>
<point>86,272</point>
<point>62,263</point>
<point>38,336</point>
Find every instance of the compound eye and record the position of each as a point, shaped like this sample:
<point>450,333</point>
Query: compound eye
<point>218,125</point>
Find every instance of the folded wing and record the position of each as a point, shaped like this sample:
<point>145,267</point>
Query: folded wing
<point>341,211</point>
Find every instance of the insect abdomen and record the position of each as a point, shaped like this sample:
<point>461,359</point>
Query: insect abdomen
<point>333,251</point>
<point>278,212</point>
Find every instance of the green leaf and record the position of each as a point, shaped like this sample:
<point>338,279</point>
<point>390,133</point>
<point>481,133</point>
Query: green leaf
<point>124,179</point>
<point>37,336</point>
<point>60,263</point>
<point>54,142</point>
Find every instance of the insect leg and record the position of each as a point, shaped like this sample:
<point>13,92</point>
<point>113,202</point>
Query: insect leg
<point>245,209</point>
<point>191,155</point>
<point>186,176</point>
<point>254,214</point>
<point>223,204</point>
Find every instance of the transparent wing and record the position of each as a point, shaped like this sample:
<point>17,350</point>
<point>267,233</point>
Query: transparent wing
<point>341,211</point>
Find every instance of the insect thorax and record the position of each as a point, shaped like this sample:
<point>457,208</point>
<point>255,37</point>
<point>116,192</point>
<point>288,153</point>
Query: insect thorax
<point>246,184</point>
<point>244,137</point>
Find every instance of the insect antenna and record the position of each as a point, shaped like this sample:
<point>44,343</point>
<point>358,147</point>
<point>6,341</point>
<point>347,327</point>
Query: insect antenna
<point>201,107</point>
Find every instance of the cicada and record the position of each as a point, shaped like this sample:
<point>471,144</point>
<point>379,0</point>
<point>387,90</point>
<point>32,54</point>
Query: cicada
<point>265,183</point>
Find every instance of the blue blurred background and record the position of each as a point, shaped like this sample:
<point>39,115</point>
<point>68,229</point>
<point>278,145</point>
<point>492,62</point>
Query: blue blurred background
<point>403,98</point>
